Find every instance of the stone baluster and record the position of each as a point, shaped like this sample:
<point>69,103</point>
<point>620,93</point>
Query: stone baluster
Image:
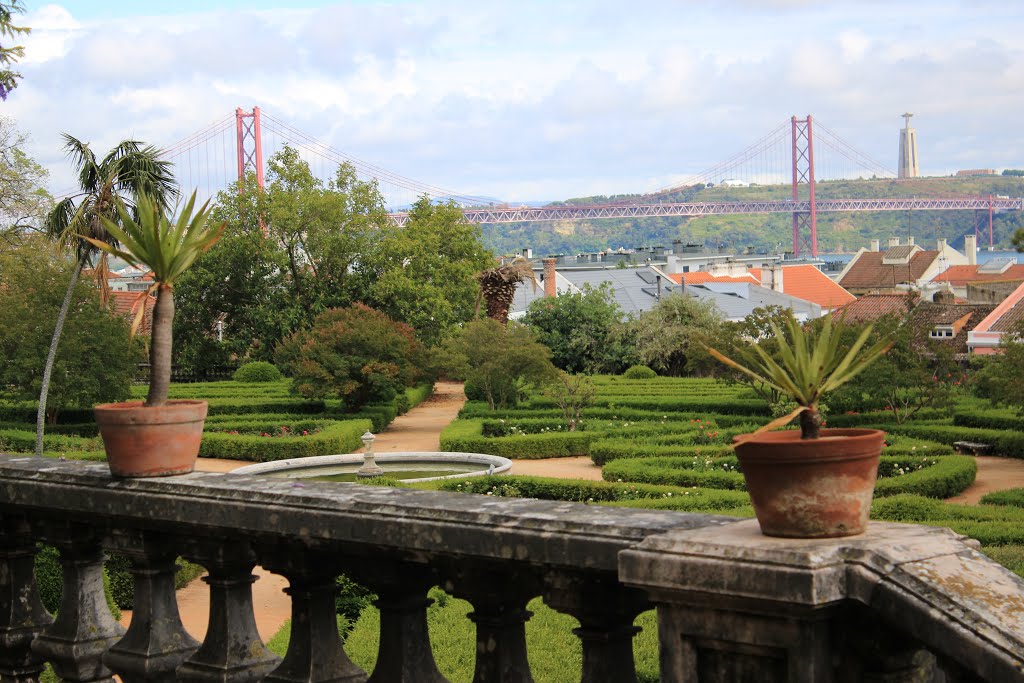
<point>156,643</point>
<point>499,599</point>
<point>315,651</point>
<point>606,611</point>
<point>22,615</point>
<point>404,655</point>
<point>85,629</point>
<point>232,651</point>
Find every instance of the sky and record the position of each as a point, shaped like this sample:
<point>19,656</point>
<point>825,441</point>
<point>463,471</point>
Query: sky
<point>531,100</point>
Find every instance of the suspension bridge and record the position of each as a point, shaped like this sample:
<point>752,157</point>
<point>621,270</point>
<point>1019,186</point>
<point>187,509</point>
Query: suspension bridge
<point>797,153</point>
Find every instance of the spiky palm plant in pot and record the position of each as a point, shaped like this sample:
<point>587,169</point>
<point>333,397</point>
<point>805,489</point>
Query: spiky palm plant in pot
<point>158,437</point>
<point>813,482</point>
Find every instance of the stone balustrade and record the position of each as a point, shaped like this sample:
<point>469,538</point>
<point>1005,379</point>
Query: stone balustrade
<point>900,603</point>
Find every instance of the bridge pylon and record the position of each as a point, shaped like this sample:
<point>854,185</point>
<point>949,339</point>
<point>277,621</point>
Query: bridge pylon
<point>803,174</point>
<point>250,144</point>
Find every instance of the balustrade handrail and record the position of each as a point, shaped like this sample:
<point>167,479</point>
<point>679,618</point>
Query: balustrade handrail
<point>901,598</point>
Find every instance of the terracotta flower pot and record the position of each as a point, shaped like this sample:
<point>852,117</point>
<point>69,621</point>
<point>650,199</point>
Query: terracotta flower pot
<point>814,488</point>
<point>151,442</point>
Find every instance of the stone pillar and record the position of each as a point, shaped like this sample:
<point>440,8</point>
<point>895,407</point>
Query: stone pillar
<point>232,651</point>
<point>606,611</point>
<point>499,598</point>
<point>85,629</point>
<point>315,651</point>
<point>156,643</point>
<point>22,615</point>
<point>736,605</point>
<point>404,655</point>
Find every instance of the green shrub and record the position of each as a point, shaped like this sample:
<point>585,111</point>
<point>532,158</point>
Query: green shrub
<point>24,441</point>
<point>1010,556</point>
<point>339,437</point>
<point>349,602</point>
<point>639,372</point>
<point>939,477</point>
<point>260,371</point>
<point>355,354</point>
<point>122,583</point>
<point>1006,443</point>
<point>465,436</point>
<point>1013,497</point>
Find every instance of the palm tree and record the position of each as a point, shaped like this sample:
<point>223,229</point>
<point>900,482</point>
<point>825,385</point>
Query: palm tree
<point>128,170</point>
<point>498,286</point>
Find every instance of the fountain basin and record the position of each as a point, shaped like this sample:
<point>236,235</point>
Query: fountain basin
<point>409,464</point>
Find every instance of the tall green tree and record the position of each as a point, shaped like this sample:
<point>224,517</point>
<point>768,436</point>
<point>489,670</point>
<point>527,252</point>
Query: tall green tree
<point>580,329</point>
<point>425,273</point>
<point>672,336</point>
<point>288,253</point>
<point>128,170</point>
<point>23,199</point>
<point>94,365</point>
<point>10,54</point>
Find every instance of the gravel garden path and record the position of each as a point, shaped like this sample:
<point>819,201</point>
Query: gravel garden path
<point>419,430</point>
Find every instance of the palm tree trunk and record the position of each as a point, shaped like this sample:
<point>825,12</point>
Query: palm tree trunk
<point>160,347</point>
<point>44,390</point>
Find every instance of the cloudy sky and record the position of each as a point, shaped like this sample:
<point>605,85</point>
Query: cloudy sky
<point>529,100</point>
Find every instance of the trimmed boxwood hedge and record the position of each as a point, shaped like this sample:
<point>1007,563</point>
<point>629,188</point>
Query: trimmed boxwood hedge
<point>339,437</point>
<point>585,491</point>
<point>465,436</point>
<point>1011,497</point>
<point>990,524</point>
<point>24,441</point>
<point>947,476</point>
<point>1006,443</point>
<point>674,403</point>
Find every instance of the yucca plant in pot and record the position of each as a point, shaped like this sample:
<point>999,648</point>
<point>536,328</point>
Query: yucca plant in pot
<point>811,482</point>
<point>157,437</point>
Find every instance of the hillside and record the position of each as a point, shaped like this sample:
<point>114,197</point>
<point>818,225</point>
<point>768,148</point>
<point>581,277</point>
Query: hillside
<point>836,232</point>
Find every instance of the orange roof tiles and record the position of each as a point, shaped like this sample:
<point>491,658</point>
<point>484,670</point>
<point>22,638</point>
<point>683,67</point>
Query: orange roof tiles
<point>700,277</point>
<point>874,306</point>
<point>868,271</point>
<point>802,281</point>
<point>122,302</point>
<point>959,276</point>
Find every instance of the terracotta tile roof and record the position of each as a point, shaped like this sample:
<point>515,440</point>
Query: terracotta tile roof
<point>959,276</point>
<point>962,317</point>
<point>810,284</point>
<point>122,302</point>
<point>802,281</point>
<point>1009,320</point>
<point>700,277</point>
<point>871,307</point>
<point>868,271</point>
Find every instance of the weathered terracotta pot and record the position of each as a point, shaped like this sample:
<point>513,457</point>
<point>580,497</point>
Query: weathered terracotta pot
<point>815,488</point>
<point>151,442</point>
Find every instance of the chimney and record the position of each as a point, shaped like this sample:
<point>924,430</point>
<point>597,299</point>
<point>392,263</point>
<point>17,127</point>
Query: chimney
<point>771,277</point>
<point>941,244</point>
<point>910,241</point>
<point>549,277</point>
<point>971,247</point>
<point>527,253</point>
<point>876,245</point>
<point>894,242</point>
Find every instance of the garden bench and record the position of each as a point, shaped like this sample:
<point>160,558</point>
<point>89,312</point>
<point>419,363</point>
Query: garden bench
<point>972,447</point>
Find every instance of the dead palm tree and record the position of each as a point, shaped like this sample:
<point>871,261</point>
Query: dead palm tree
<point>498,286</point>
<point>128,170</point>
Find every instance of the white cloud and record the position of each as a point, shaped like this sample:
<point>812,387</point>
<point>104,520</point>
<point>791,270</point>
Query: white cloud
<point>535,97</point>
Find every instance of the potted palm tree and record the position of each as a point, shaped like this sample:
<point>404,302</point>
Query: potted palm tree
<point>157,437</point>
<point>811,483</point>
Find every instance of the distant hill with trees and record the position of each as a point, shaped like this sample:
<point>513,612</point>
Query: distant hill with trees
<point>836,231</point>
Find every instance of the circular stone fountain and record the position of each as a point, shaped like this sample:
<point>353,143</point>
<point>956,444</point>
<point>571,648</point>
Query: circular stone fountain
<point>404,466</point>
